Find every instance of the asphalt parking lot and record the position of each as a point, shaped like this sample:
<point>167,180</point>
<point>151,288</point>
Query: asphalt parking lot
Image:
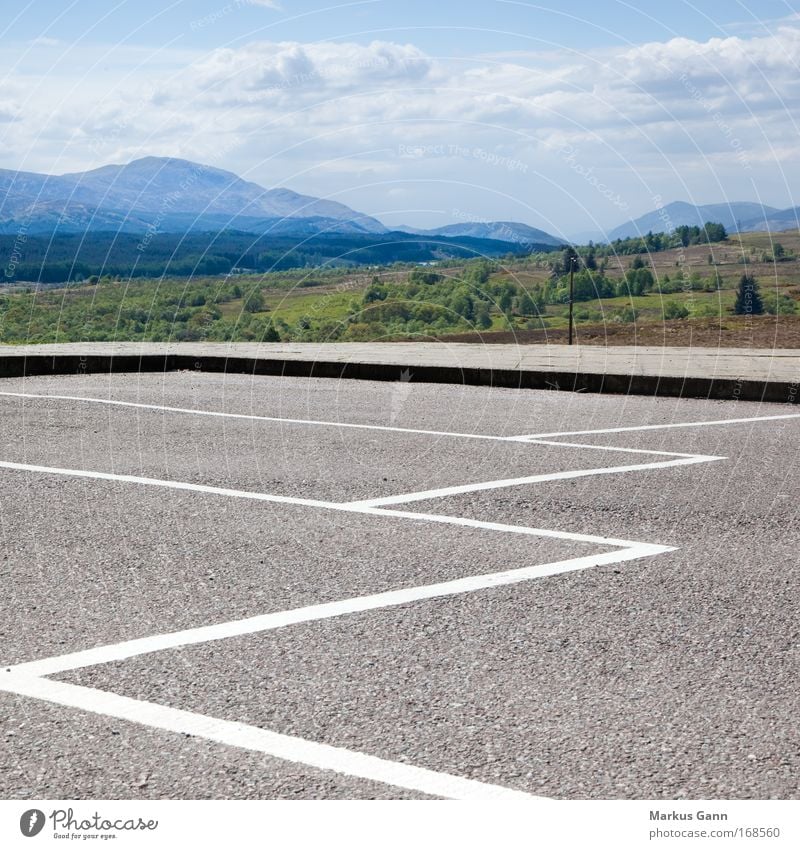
<point>256,587</point>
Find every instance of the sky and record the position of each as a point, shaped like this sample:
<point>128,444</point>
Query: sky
<point>572,117</point>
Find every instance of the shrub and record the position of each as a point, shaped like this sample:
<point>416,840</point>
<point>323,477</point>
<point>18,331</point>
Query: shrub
<point>779,304</point>
<point>673,310</point>
<point>627,315</point>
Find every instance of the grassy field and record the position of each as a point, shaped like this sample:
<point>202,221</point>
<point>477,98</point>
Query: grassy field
<point>475,301</point>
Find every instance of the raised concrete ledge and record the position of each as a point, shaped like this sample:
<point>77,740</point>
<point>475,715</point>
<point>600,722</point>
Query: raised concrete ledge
<point>724,374</point>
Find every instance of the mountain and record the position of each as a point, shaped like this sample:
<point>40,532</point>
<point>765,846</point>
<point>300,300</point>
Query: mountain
<point>164,193</point>
<point>784,219</point>
<point>167,195</point>
<point>583,237</point>
<point>734,216</point>
<point>501,231</point>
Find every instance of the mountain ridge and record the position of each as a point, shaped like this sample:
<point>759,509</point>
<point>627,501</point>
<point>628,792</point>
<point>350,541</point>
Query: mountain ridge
<point>504,231</point>
<point>168,194</point>
<point>147,192</point>
<point>735,216</point>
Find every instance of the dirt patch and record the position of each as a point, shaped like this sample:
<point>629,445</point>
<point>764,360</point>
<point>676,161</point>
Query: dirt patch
<point>767,331</point>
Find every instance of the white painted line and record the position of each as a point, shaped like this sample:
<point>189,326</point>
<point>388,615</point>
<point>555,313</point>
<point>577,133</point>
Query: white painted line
<point>615,448</point>
<point>345,507</point>
<point>167,484</point>
<point>463,521</point>
<point>539,436</point>
<point>534,437</point>
<point>321,423</point>
<point>287,748</point>
<point>553,476</point>
<point>250,417</point>
<point>316,612</point>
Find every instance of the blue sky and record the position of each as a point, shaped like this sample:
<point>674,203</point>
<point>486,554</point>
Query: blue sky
<point>571,118</point>
<point>443,28</point>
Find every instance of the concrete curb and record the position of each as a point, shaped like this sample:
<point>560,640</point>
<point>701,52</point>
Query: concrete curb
<point>726,388</point>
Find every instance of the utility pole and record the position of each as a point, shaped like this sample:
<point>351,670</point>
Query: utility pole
<point>572,260</point>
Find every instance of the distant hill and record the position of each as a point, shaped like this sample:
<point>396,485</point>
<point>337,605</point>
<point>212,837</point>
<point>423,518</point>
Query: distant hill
<point>56,259</point>
<point>735,216</point>
<point>501,231</point>
<point>785,219</point>
<point>170,194</point>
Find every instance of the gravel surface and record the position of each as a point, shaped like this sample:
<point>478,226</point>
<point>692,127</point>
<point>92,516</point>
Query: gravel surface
<point>672,676</point>
<point>599,685</point>
<point>91,563</point>
<point>462,409</point>
<point>52,752</point>
<point>325,463</point>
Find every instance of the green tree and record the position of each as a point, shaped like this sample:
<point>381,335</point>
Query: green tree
<point>748,297</point>
<point>482,317</point>
<point>477,274</point>
<point>254,301</point>
<point>715,232</point>
<point>462,304</point>
<point>569,259</point>
<point>526,305</point>
<point>505,297</point>
<point>419,275</point>
<point>373,293</point>
<point>271,334</point>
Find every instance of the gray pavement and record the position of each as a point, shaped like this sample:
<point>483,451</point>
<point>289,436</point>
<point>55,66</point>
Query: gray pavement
<point>669,676</point>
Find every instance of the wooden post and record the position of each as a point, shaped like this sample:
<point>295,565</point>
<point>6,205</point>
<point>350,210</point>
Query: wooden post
<point>571,292</point>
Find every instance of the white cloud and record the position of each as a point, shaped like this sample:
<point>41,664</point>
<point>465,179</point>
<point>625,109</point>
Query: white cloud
<point>331,116</point>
